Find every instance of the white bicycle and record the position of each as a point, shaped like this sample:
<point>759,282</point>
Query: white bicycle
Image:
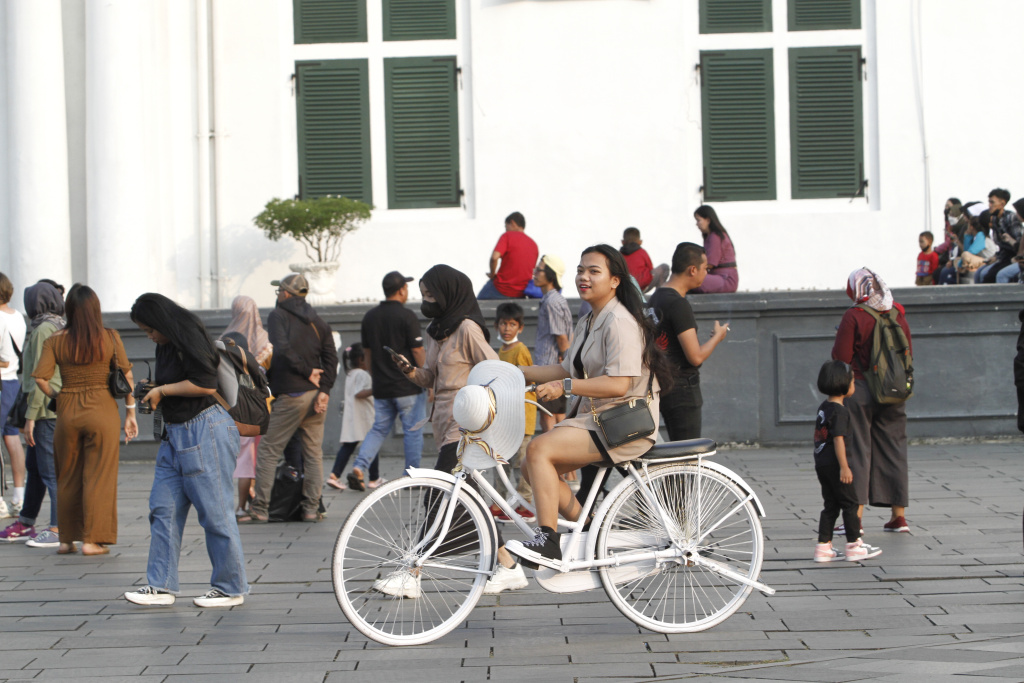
<point>677,547</point>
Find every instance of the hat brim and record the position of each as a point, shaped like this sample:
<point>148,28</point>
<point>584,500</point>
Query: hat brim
<point>506,432</point>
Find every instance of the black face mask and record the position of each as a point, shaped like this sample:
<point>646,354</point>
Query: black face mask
<point>431,309</point>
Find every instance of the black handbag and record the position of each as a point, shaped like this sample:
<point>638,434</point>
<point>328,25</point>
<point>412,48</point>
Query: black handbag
<point>19,412</point>
<point>627,421</point>
<point>119,385</point>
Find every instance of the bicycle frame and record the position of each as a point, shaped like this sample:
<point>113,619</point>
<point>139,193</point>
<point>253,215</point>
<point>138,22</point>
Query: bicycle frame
<point>686,553</point>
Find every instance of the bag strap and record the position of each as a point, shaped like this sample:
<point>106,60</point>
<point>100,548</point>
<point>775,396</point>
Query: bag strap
<point>17,351</point>
<point>113,342</point>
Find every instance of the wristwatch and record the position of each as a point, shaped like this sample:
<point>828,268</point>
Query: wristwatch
<point>567,386</point>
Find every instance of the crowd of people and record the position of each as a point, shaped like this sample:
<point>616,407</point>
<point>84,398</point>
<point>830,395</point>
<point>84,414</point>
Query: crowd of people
<point>982,243</point>
<point>624,347</point>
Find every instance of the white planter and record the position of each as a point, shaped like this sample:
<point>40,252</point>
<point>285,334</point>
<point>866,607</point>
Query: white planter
<point>320,277</point>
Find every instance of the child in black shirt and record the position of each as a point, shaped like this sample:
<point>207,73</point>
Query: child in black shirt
<point>835,380</point>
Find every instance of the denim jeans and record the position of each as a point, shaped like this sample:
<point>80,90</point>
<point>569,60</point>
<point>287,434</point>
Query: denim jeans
<point>42,474</point>
<point>1008,274</point>
<point>489,291</point>
<point>411,409</point>
<point>193,468</point>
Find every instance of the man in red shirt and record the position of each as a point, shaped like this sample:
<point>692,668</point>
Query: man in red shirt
<point>518,255</point>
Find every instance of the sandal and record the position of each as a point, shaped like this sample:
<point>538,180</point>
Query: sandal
<point>67,549</point>
<point>355,481</point>
<point>102,549</point>
<point>335,483</point>
<point>252,518</point>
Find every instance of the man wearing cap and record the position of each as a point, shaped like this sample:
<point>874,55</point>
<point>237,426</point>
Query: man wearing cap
<point>554,327</point>
<point>393,325</point>
<point>302,372</point>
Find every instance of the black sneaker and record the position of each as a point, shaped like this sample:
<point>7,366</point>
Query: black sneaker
<point>545,548</point>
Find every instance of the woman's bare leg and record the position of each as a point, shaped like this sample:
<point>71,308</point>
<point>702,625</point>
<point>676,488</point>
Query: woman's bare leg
<point>549,455</point>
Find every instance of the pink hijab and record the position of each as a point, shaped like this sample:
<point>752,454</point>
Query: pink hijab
<point>245,319</point>
<point>866,287</point>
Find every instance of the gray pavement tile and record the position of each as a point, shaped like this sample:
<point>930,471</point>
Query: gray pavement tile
<point>95,672</point>
<point>251,677</point>
<point>424,676</point>
<point>205,669</point>
<point>804,672</point>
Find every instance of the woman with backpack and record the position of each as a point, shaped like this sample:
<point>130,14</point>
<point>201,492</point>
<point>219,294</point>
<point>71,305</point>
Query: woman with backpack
<point>877,451</point>
<point>196,458</point>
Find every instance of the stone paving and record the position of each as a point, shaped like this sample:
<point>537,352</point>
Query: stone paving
<point>940,604</point>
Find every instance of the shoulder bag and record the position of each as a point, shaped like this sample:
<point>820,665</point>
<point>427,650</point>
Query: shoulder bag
<point>117,382</point>
<point>627,422</point>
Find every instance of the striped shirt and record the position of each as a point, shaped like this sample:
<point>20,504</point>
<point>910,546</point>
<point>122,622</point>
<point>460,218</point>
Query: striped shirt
<point>553,318</point>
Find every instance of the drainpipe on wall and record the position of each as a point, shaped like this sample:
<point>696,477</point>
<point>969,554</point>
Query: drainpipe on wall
<point>917,57</point>
<point>203,149</point>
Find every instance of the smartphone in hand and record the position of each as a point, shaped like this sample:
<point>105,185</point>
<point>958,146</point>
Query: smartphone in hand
<point>400,361</point>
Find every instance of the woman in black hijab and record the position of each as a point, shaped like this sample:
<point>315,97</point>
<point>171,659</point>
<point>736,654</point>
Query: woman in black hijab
<point>457,339</point>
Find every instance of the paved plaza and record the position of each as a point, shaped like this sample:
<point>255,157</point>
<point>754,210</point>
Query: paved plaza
<point>940,604</point>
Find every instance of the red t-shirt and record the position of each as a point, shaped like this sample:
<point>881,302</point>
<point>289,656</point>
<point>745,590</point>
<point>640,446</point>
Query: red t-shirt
<point>855,335</point>
<point>640,267</point>
<point>927,263</point>
<point>518,258</point>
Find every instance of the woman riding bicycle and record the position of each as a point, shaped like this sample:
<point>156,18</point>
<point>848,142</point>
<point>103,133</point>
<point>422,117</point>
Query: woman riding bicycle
<point>610,362</point>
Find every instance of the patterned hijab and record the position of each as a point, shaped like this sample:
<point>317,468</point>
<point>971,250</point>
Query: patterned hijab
<point>245,320</point>
<point>866,287</point>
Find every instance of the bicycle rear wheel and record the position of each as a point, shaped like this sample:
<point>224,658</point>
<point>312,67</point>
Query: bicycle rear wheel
<point>377,586</point>
<point>678,595</point>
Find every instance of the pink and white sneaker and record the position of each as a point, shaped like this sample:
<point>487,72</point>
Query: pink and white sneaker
<point>859,550</point>
<point>824,552</point>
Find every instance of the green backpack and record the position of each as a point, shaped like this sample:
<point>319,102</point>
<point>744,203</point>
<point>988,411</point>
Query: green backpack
<point>890,377</point>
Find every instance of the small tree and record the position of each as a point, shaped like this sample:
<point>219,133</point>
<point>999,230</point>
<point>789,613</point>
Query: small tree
<point>319,225</point>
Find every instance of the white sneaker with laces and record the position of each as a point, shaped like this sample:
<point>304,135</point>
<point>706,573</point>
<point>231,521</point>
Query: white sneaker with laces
<point>506,579</point>
<point>215,597</point>
<point>148,595</point>
<point>16,506</point>
<point>400,584</point>
<point>4,512</point>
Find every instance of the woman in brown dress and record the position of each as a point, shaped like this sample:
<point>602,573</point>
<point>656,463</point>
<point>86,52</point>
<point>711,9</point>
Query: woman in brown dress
<point>86,441</point>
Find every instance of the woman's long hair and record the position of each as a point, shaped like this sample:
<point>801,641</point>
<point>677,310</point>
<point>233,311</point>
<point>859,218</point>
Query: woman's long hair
<point>181,326</point>
<point>714,225</point>
<point>86,335</point>
<point>629,296</point>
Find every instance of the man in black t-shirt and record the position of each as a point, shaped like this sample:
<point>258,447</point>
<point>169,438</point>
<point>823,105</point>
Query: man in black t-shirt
<point>393,325</point>
<point>677,336</point>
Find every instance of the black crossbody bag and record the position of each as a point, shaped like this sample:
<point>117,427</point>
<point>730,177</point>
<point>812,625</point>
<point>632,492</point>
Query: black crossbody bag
<point>627,422</point>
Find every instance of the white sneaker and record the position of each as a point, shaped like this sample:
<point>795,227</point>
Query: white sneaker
<point>400,584</point>
<point>505,579</point>
<point>16,506</point>
<point>215,597</point>
<point>4,512</point>
<point>148,595</point>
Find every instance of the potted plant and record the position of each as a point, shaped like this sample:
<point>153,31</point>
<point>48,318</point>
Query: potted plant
<point>319,225</point>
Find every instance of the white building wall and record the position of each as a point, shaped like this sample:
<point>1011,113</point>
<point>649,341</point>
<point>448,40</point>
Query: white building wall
<point>582,114</point>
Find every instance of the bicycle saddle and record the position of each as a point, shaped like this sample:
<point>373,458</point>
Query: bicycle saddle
<point>680,449</point>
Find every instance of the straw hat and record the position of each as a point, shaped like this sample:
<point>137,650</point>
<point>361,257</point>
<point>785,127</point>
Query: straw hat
<point>491,414</point>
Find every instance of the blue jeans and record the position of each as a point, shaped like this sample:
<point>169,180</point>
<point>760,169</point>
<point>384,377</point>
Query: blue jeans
<point>42,474</point>
<point>8,395</point>
<point>411,409</point>
<point>489,291</point>
<point>979,275</point>
<point>1008,274</point>
<point>193,468</point>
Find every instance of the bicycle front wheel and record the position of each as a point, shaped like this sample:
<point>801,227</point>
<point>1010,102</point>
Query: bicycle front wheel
<point>708,514</point>
<point>376,581</point>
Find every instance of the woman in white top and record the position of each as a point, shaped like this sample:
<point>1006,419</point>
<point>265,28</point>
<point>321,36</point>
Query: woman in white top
<point>12,341</point>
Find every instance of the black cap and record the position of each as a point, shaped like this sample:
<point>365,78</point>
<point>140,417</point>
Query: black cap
<point>393,282</point>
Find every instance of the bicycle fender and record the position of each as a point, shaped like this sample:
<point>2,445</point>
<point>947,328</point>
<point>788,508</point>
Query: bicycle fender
<point>599,515</point>
<point>725,471</point>
<point>425,473</point>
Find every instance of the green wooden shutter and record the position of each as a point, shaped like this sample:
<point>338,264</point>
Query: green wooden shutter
<point>332,98</point>
<point>419,19</point>
<point>735,16</point>
<point>329,21</point>
<point>823,15</point>
<point>826,122</point>
<point>738,125</point>
<point>421,107</point>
